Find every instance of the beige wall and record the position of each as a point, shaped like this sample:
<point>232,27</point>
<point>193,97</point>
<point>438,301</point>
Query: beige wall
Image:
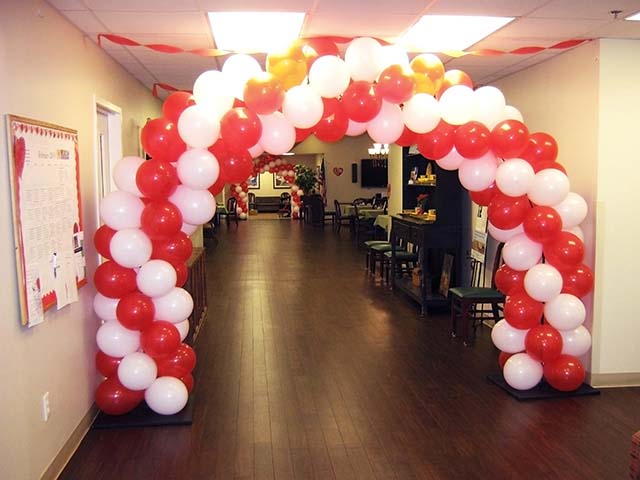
<point>587,98</point>
<point>50,72</point>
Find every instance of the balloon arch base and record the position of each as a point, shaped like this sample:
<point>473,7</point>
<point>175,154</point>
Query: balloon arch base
<point>143,416</point>
<point>542,391</point>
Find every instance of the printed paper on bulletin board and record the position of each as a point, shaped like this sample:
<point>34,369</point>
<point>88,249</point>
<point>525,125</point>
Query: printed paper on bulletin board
<point>47,215</point>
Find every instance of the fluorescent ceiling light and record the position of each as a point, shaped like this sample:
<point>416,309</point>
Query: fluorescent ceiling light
<point>635,17</point>
<point>437,33</point>
<point>251,32</point>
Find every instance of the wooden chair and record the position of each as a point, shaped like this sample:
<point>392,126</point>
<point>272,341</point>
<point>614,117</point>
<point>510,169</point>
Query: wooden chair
<point>406,260</point>
<point>341,219</point>
<point>252,201</point>
<point>363,227</point>
<point>469,303</point>
<point>232,211</point>
<point>284,209</point>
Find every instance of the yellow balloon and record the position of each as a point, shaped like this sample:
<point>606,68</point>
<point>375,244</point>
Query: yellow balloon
<point>429,73</point>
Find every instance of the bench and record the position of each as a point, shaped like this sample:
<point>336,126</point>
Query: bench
<point>267,204</point>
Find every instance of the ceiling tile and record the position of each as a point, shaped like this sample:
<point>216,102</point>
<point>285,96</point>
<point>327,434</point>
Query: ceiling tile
<point>544,28</point>
<point>369,24</point>
<point>256,5</point>
<point>618,29</point>
<point>594,9</point>
<point>154,22</point>
<point>68,4</point>
<point>143,5</point>
<point>497,8</point>
<point>84,20</point>
<point>378,7</point>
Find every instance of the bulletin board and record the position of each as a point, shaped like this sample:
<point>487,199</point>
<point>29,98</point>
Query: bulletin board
<point>47,215</point>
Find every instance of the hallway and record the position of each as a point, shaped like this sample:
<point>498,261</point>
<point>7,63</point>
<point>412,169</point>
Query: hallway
<point>307,368</point>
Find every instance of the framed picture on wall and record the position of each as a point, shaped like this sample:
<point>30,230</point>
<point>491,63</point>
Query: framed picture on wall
<point>279,181</point>
<point>254,182</point>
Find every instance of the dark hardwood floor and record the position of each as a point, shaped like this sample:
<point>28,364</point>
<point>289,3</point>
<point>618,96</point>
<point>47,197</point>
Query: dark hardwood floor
<point>307,368</point>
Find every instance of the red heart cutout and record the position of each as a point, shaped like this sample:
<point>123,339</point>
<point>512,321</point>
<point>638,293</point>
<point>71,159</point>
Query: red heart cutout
<point>338,171</point>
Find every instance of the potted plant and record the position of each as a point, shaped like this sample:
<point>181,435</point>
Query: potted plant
<point>305,178</point>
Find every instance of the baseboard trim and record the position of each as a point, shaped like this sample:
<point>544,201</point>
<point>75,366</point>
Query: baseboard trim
<point>60,461</point>
<point>604,380</point>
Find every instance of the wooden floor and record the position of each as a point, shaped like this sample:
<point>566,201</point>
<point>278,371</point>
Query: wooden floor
<point>307,368</point>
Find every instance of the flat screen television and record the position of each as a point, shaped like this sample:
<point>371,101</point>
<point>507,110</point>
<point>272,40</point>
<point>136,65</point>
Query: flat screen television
<point>373,173</point>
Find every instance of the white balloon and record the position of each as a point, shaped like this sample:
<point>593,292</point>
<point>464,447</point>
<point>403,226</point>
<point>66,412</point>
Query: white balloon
<point>238,189</point>
<point>421,113</point>
<point>512,113</point>
<point>117,341</point>
<point>130,247</point>
<point>124,174</point>
<point>278,135</point>
<point>543,282</point>
<point>392,55</point>
<point>137,371</point>
<point>256,150</point>
<point>197,206</point>
<point>514,177</point>
<point>522,372</point>
<point>456,105</point>
<point>549,187</point>
<point>242,215</point>
<point>197,127</point>
<point>504,235</point>
<point>478,174</point>
<point>507,338</point>
<point>302,106</point>
<point>213,91</point>
<point>198,169</point>
<point>188,228</point>
<point>488,106</point>
<point>451,161</point>
<point>174,306</point>
<point>387,125</point>
<point>166,395</point>
<point>105,307</point>
<point>329,76</point>
<point>243,194</point>
<point>573,210</point>
<point>239,68</point>
<point>120,209</point>
<point>521,253</point>
<point>356,128</point>
<point>363,57</point>
<point>156,278</point>
<point>576,342</point>
<point>565,312</point>
<point>183,328</point>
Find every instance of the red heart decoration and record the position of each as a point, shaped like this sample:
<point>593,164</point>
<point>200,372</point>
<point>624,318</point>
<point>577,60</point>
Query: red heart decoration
<point>338,171</point>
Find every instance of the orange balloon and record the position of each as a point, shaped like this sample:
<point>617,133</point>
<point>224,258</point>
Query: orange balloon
<point>288,71</point>
<point>455,77</point>
<point>428,73</point>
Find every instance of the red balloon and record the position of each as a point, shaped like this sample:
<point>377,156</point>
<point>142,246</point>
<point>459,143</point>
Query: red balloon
<point>407,138</point>
<point>483,197</point>
<point>157,180</point>
<point>544,165</point>
<point>174,249</point>
<point>102,240</point>
<point>503,357</point>
<point>179,363</point>
<point>543,343</point>
<point>508,280</point>
<point>334,122</point>
<point>217,187</point>
<point>106,364</point>
<point>541,147</point>
<point>471,139</point>
<point>396,83</point>
<point>237,166</point>
<point>113,398</point>
<point>438,142</point>
<point>542,224</point>
<point>113,280</point>
<point>577,280</point>
<point>241,128</point>
<point>263,94</point>
<point>303,133</point>
<point>161,218</point>
<point>219,149</point>
<point>507,212</point>
<point>135,311</point>
<point>188,382</point>
<point>362,101</point>
<point>454,77</point>
<point>182,274</point>
<point>565,373</point>
<point>565,250</point>
<point>160,338</point>
<point>175,104</point>
<point>521,311</point>
<point>318,47</point>
<point>509,138</point>
<point>160,139</point>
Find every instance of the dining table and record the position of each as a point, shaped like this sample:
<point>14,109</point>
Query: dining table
<point>364,212</point>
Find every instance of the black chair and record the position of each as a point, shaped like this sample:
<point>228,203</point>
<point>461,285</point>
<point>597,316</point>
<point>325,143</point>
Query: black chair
<point>341,219</point>
<point>363,227</point>
<point>284,209</point>
<point>469,303</point>
<point>232,211</point>
<point>315,212</point>
<point>252,201</point>
<point>406,260</point>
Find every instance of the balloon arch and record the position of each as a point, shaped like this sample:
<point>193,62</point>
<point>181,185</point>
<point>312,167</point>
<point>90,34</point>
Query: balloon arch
<point>206,140</point>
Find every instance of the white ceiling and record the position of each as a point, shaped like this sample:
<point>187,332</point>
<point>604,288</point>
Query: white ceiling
<point>183,23</point>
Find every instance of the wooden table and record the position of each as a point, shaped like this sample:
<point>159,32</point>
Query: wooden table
<point>349,210</point>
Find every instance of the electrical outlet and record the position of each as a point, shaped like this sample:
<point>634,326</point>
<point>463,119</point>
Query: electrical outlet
<point>46,407</point>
